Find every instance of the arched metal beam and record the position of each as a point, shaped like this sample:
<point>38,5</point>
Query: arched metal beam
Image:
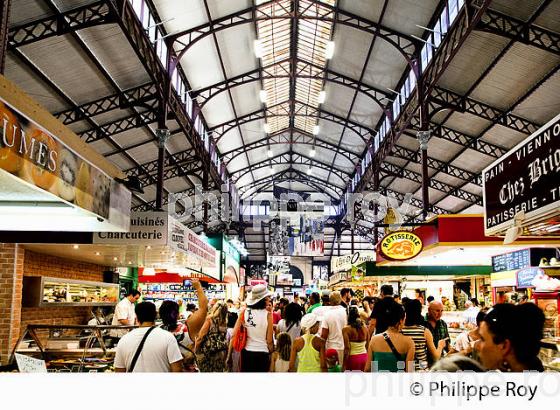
<point>406,45</point>
<point>220,130</point>
<point>204,95</point>
<point>287,158</point>
<point>292,175</point>
<point>299,137</point>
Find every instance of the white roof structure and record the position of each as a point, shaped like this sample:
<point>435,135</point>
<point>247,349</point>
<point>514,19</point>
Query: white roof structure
<point>305,95</point>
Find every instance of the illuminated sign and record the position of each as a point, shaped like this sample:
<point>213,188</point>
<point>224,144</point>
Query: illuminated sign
<point>400,246</point>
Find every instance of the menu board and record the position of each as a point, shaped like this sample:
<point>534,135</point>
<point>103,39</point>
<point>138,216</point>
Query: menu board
<point>511,261</point>
<point>525,277</point>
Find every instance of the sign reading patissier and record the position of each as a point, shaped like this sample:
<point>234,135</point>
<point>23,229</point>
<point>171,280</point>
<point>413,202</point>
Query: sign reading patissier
<point>525,179</point>
<point>32,154</point>
<point>346,262</point>
<point>146,228</point>
<point>400,246</point>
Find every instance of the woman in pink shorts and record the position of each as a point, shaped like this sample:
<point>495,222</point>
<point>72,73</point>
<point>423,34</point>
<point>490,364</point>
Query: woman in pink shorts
<point>355,341</point>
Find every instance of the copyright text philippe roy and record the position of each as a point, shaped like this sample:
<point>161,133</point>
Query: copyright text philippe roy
<point>474,391</point>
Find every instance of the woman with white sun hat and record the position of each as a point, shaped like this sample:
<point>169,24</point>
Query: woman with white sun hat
<point>257,319</point>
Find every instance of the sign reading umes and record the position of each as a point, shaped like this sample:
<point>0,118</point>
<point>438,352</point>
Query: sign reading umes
<point>400,246</point>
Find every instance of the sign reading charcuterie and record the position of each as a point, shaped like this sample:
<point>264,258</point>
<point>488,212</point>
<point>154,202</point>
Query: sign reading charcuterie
<point>400,246</point>
<point>524,180</point>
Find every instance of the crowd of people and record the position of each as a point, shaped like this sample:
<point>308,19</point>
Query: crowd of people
<point>328,332</point>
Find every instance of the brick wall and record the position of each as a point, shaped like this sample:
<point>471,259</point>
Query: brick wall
<point>11,278</point>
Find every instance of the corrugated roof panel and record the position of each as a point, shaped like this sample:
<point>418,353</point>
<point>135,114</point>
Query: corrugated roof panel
<point>19,73</point>
<point>543,104</point>
<point>62,60</point>
<point>467,123</point>
<point>520,9</point>
<point>520,68</point>
<point>475,56</point>
<point>503,136</point>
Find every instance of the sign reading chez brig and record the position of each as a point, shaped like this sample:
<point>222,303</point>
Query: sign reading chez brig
<point>400,246</point>
<point>525,179</point>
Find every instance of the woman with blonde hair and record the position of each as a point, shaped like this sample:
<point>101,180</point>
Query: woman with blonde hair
<point>211,344</point>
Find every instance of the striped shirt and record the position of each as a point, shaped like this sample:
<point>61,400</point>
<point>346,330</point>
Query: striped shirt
<point>417,334</point>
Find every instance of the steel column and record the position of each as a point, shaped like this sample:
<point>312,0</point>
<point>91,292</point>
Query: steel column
<point>4,16</point>
<point>163,135</point>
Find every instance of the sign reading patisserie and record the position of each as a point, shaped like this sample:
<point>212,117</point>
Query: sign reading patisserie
<point>400,246</point>
<point>525,179</point>
<point>32,154</point>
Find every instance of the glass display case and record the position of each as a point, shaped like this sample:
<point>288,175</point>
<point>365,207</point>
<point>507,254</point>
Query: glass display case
<point>70,348</point>
<point>41,291</point>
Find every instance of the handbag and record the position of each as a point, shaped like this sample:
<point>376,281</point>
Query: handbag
<point>214,342</point>
<point>239,338</point>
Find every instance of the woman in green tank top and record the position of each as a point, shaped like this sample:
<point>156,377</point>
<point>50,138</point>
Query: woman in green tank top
<point>309,349</point>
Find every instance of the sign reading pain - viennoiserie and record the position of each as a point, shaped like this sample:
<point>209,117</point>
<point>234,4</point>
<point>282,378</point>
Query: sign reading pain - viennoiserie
<point>400,246</point>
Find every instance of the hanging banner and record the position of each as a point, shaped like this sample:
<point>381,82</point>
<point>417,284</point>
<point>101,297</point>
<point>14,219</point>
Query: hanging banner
<point>298,230</point>
<point>400,246</point>
<point>524,180</point>
<point>32,154</point>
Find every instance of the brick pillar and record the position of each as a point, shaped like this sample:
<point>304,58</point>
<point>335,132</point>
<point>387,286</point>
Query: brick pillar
<point>11,282</point>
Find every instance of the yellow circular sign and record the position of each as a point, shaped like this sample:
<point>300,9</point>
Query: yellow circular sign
<point>400,246</point>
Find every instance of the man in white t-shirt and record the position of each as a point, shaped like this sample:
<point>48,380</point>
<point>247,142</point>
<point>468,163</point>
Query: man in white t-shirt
<point>160,353</point>
<point>332,324</point>
<point>124,314</point>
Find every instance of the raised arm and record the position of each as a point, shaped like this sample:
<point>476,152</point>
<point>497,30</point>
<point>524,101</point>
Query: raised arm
<point>196,320</point>
<point>346,338</point>
<point>296,347</point>
<point>202,333</point>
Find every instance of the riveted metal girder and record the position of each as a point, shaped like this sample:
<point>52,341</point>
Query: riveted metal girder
<point>143,95</point>
<point>498,23</point>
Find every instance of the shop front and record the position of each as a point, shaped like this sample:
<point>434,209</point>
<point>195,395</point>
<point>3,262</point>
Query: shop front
<point>51,181</point>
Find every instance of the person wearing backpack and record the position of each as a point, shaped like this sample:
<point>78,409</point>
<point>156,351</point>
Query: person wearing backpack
<point>211,344</point>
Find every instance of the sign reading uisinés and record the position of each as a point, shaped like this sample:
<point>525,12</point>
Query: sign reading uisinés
<point>525,179</point>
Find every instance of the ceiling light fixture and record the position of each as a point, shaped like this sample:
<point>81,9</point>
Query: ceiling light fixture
<point>258,48</point>
<point>269,153</point>
<point>312,152</point>
<point>266,128</point>
<point>309,171</point>
<point>316,129</point>
<point>115,258</point>
<point>322,97</point>
<point>97,253</point>
<point>262,95</point>
<point>329,50</point>
<point>271,169</point>
<point>75,247</point>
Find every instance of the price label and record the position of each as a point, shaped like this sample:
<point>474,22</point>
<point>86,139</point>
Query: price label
<point>28,364</point>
